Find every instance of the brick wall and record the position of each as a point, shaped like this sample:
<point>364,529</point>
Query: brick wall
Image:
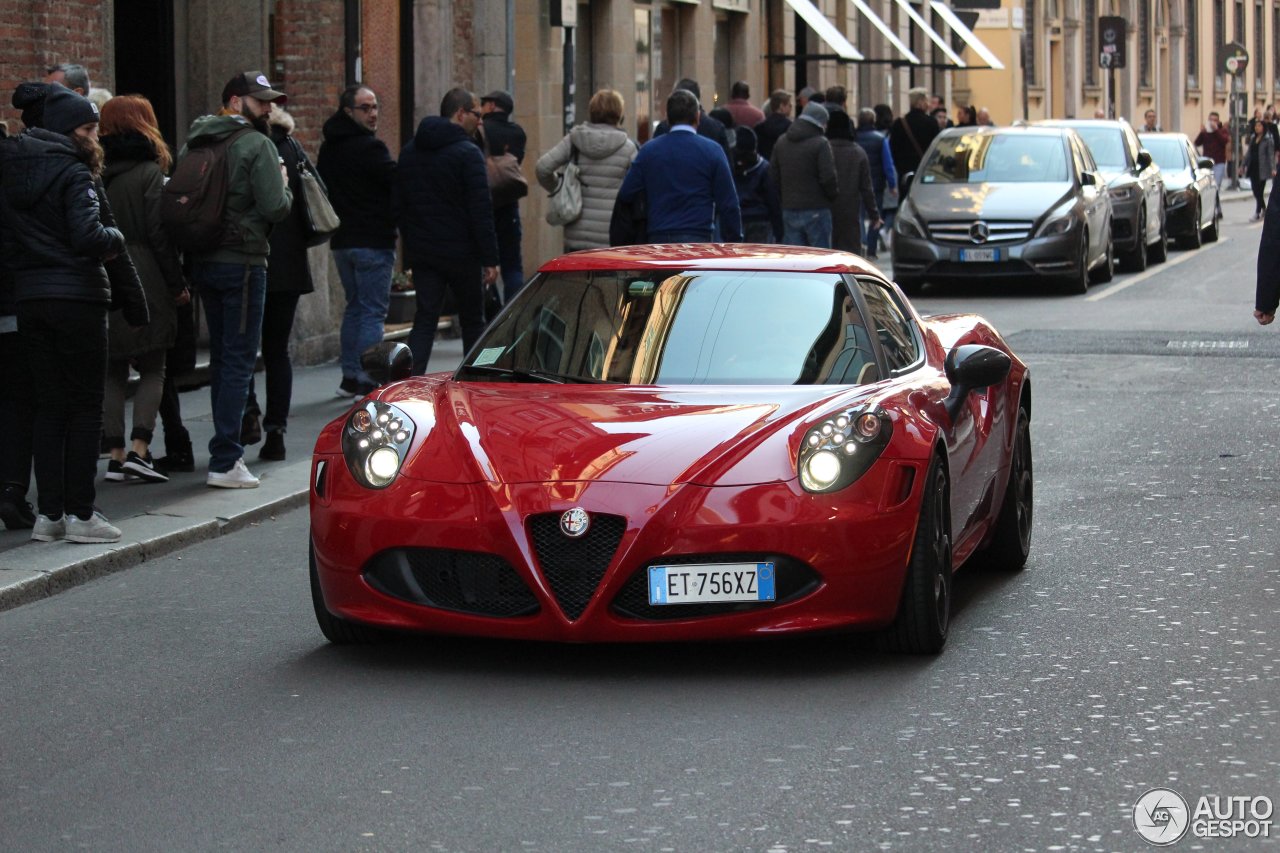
<point>310,64</point>
<point>34,36</point>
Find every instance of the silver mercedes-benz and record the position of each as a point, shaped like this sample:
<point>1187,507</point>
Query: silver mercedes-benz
<point>1020,204</point>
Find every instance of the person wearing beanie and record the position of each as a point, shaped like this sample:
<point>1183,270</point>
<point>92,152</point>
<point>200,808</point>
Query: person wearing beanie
<point>857,195</point>
<point>56,245</point>
<point>804,170</point>
<point>757,196</point>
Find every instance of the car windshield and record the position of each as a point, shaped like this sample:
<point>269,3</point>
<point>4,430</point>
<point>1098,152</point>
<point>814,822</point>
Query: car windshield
<point>1107,145</point>
<point>1169,154</point>
<point>678,328</point>
<point>998,158</point>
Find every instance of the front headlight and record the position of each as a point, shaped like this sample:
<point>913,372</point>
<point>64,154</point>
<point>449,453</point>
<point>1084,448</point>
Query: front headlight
<point>1061,225</point>
<point>905,222</point>
<point>1128,193</point>
<point>839,450</point>
<point>1177,197</point>
<point>375,443</point>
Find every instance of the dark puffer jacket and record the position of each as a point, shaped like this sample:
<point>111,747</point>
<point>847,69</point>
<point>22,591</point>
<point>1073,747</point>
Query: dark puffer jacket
<point>358,171</point>
<point>442,198</point>
<point>54,239</point>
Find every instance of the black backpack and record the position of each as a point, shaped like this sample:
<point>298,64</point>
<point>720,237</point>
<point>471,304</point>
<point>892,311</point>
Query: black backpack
<point>193,204</point>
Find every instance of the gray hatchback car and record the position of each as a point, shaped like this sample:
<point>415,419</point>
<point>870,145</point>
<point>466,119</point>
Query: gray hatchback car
<point>1016,204</point>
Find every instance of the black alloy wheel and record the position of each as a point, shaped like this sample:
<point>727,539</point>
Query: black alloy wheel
<point>1136,259</point>
<point>924,613</point>
<point>1106,270</point>
<point>1010,544</point>
<point>1196,237</point>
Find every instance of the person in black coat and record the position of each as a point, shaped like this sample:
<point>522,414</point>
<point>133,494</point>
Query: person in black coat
<point>288,278</point>
<point>911,134</point>
<point>445,215</point>
<point>775,123</point>
<point>504,136</point>
<point>56,245</point>
<point>709,127</point>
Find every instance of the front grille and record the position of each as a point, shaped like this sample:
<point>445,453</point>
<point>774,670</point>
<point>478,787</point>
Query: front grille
<point>574,567</point>
<point>1121,229</point>
<point>978,270</point>
<point>1000,231</point>
<point>794,579</point>
<point>465,581</point>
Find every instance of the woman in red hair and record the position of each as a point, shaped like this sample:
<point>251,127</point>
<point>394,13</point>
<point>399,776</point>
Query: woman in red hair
<point>137,160</point>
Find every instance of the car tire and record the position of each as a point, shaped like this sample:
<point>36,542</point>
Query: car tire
<point>1211,232</point>
<point>338,631</point>
<point>1196,237</point>
<point>924,612</point>
<point>1078,282</point>
<point>1106,271</point>
<point>1010,544</point>
<point>1136,259</point>
<point>1158,252</point>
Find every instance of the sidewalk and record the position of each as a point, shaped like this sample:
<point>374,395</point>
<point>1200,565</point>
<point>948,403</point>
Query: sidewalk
<point>160,518</point>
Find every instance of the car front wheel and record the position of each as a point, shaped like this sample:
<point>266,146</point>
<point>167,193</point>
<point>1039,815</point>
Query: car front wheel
<point>924,613</point>
<point>1010,545</point>
<point>1136,259</point>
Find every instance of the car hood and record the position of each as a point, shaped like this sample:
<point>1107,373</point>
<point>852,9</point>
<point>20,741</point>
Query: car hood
<point>988,201</point>
<point>1178,180</point>
<point>530,433</point>
<point>1118,179</point>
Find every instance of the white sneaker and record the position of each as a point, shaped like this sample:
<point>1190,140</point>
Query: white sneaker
<point>238,477</point>
<point>94,529</point>
<point>49,529</point>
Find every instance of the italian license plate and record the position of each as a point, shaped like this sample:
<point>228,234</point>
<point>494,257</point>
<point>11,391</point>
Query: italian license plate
<point>703,583</point>
<point>979,254</point>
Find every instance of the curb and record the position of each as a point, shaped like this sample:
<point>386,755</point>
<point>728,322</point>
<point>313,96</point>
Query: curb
<point>48,569</point>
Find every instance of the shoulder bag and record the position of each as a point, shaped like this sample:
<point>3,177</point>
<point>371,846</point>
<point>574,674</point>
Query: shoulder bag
<point>565,203</point>
<point>319,220</point>
<point>507,183</point>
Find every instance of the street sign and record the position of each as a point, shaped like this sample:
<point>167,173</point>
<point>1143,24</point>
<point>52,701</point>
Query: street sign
<point>1233,58</point>
<point>1111,42</point>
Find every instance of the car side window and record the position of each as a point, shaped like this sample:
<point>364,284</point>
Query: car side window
<point>899,338</point>
<point>1131,142</point>
<point>1078,157</point>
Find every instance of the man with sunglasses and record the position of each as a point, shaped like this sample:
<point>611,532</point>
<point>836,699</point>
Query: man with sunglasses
<point>359,172</point>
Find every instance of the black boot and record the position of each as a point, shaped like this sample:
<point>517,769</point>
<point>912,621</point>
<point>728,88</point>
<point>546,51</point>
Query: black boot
<point>273,448</point>
<point>179,455</point>
<point>16,513</point>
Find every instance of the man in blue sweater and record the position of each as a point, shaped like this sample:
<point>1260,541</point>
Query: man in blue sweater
<point>686,179</point>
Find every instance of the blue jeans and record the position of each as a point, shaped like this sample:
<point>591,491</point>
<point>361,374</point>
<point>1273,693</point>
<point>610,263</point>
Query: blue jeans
<point>807,227</point>
<point>233,296</point>
<point>366,280</point>
<point>506,222</point>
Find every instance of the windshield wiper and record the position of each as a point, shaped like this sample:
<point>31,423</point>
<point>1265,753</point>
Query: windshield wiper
<point>532,375</point>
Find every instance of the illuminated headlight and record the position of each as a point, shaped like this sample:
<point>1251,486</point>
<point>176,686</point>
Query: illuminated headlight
<point>840,449</point>
<point>1061,225</point>
<point>375,443</point>
<point>1124,193</point>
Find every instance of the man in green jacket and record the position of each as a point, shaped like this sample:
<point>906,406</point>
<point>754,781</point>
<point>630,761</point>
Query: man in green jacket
<point>232,279</point>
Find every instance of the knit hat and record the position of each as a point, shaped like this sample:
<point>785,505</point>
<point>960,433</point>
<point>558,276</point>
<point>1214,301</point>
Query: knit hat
<point>29,97</point>
<point>65,110</point>
<point>745,143</point>
<point>815,113</point>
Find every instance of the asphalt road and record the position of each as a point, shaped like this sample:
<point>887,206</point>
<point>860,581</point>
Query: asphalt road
<point>191,703</point>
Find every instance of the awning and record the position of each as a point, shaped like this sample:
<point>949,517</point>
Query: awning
<point>886,31</point>
<point>958,27</point>
<point>826,30</point>
<point>931,33</point>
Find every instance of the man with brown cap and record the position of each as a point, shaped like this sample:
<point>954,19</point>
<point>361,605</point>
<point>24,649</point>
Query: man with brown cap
<point>232,279</point>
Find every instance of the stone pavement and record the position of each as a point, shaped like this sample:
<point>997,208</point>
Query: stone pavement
<point>159,518</point>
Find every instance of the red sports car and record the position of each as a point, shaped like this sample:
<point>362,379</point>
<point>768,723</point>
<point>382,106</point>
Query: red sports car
<point>680,442</point>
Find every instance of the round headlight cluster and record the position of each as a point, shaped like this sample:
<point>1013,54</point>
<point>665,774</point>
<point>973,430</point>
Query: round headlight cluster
<point>840,449</point>
<point>376,442</point>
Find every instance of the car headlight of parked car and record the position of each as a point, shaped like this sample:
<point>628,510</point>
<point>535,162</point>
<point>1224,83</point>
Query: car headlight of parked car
<point>906,222</point>
<point>839,450</point>
<point>1173,198</point>
<point>1126,193</point>
<point>1060,224</point>
<point>375,443</point>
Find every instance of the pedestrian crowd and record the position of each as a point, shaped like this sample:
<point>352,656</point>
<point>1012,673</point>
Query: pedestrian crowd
<point>112,245</point>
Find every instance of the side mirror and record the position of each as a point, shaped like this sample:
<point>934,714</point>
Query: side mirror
<point>972,366</point>
<point>1205,163</point>
<point>389,361</point>
<point>904,185</point>
<point>1088,179</point>
<point>1144,159</point>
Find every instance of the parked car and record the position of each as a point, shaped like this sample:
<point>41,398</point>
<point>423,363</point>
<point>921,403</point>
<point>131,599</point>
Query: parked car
<point>1136,186</point>
<point>675,443</point>
<point>1190,192</point>
<point>1022,204</point>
